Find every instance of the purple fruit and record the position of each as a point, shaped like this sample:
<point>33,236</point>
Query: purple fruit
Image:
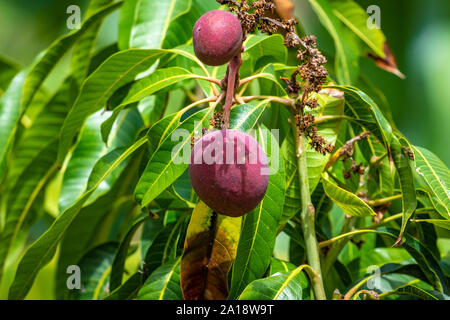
<point>217,37</point>
<point>229,172</point>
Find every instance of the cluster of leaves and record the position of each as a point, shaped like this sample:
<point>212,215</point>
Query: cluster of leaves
<point>88,175</point>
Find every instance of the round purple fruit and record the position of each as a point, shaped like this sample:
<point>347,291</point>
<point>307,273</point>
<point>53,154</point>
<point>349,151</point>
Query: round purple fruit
<point>229,172</point>
<point>217,37</point>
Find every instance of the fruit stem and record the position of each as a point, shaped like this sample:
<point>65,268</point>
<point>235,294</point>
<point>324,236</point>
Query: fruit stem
<point>307,215</point>
<point>233,78</point>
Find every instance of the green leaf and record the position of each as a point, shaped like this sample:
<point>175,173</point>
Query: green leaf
<point>82,51</point>
<point>42,250</point>
<point>347,201</point>
<point>34,165</point>
<point>280,286</point>
<point>129,289</point>
<point>445,224</point>
<point>47,61</point>
<point>260,50</point>
<point>118,265</point>
<point>260,226</point>
<point>90,148</point>
<point>436,176</point>
<point>43,131</point>
<point>81,236</point>
<point>95,268</point>
<point>162,171</point>
<point>245,116</point>
<point>163,283</point>
<point>406,178</point>
<point>347,51</point>
<point>117,71</point>
<point>164,247</point>
<point>366,113</point>
<point>354,17</point>
<point>180,28</point>
<point>280,266</point>
<point>384,180</point>
<point>424,258</point>
<point>159,80</point>
<point>416,292</point>
<point>144,23</point>
<point>10,111</point>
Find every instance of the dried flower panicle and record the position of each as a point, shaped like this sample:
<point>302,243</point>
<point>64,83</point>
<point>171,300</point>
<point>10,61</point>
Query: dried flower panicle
<point>216,120</point>
<point>251,16</point>
<point>305,126</point>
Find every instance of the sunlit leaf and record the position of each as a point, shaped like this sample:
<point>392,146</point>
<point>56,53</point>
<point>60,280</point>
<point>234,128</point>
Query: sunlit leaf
<point>259,229</point>
<point>436,175</point>
<point>349,202</point>
<point>95,268</point>
<point>163,283</point>
<point>42,250</point>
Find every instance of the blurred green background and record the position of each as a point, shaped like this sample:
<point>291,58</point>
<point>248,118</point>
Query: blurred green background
<point>418,33</point>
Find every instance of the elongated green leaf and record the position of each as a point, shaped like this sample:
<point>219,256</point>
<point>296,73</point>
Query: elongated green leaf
<point>349,202</point>
<point>90,148</point>
<point>347,51</point>
<point>445,224</point>
<point>163,283</point>
<point>79,236</point>
<point>366,113</point>
<point>164,247</point>
<point>260,226</point>
<point>161,171</point>
<point>406,178</point>
<point>10,110</point>
<point>117,71</point>
<point>23,195</point>
<point>424,258</point>
<point>280,286</point>
<point>180,28</point>
<point>414,291</point>
<point>354,17</point>
<point>118,265</point>
<point>383,182</point>
<point>42,250</point>
<point>144,23</point>
<point>160,79</point>
<point>34,165</point>
<point>129,289</point>
<point>260,50</point>
<point>280,266</point>
<point>95,268</point>
<point>46,62</point>
<point>44,130</point>
<point>209,251</point>
<point>82,51</point>
<point>436,176</point>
